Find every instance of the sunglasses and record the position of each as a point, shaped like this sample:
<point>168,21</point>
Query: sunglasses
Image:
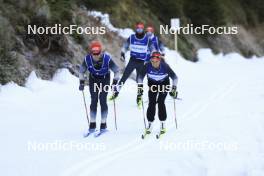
<point>95,54</point>
<point>139,30</point>
<point>155,59</point>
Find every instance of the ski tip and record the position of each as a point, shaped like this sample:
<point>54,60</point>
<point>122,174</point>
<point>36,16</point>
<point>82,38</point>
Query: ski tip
<point>96,135</point>
<point>100,133</point>
<point>142,136</point>
<point>86,135</point>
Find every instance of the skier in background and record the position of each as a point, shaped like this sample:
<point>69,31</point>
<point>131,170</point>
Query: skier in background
<point>139,45</point>
<point>98,64</point>
<point>158,73</point>
<point>157,44</point>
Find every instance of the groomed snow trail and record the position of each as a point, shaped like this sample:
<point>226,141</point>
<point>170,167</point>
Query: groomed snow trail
<point>220,125</point>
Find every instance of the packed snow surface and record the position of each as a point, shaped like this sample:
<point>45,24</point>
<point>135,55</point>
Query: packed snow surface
<point>220,125</point>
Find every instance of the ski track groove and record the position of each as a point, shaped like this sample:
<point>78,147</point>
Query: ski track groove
<point>83,167</point>
<point>120,151</point>
<point>84,163</point>
<point>218,96</point>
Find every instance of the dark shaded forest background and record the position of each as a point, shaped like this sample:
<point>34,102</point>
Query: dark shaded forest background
<point>21,53</point>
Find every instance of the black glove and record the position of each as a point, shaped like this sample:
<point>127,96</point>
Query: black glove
<point>81,86</point>
<point>114,82</point>
<point>140,90</point>
<point>173,93</point>
<point>114,85</point>
<point>114,96</point>
<point>114,89</point>
<point>123,56</point>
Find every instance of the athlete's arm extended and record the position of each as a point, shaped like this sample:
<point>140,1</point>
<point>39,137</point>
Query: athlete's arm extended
<point>172,75</point>
<point>82,70</point>
<point>115,69</point>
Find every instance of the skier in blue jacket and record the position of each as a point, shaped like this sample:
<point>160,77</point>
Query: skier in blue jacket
<point>157,44</point>
<point>98,64</point>
<point>139,45</point>
<point>158,73</point>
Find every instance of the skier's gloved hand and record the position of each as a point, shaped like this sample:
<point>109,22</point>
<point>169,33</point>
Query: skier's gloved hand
<point>122,56</point>
<point>139,101</point>
<point>173,93</point>
<point>81,86</point>
<point>114,96</point>
<point>114,85</point>
<point>115,90</point>
<point>114,82</point>
<point>139,96</point>
<point>140,90</point>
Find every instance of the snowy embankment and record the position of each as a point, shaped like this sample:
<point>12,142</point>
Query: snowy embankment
<point>220,125</point>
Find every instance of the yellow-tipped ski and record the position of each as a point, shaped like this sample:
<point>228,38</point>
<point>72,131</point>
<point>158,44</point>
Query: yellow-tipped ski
<point>160,134</point>
<point>147,132</point>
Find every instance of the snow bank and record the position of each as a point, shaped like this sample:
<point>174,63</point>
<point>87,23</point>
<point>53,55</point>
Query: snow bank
<point>222,105</point>
<point>125,33</point>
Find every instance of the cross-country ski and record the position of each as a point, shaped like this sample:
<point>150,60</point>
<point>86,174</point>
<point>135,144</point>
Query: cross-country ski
<point>99,133</point>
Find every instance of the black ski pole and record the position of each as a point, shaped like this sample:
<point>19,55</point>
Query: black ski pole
<point>115,114</point>
<point>175,119</point>
<point>87,116</point>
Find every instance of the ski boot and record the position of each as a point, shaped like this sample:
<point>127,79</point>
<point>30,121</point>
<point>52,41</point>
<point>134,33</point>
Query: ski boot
<point>92,129</point>
<point>147,130</point>
<point>162,130</point>
<point>103,129</point>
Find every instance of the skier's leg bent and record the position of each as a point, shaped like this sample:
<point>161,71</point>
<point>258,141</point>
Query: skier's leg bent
<point>94,101</point>
<point>103,102</point>
<point>139,66</point>
<point>128,70</point>
<point>162,110</point>
<point>151,111</point>
<point>161,106</point>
